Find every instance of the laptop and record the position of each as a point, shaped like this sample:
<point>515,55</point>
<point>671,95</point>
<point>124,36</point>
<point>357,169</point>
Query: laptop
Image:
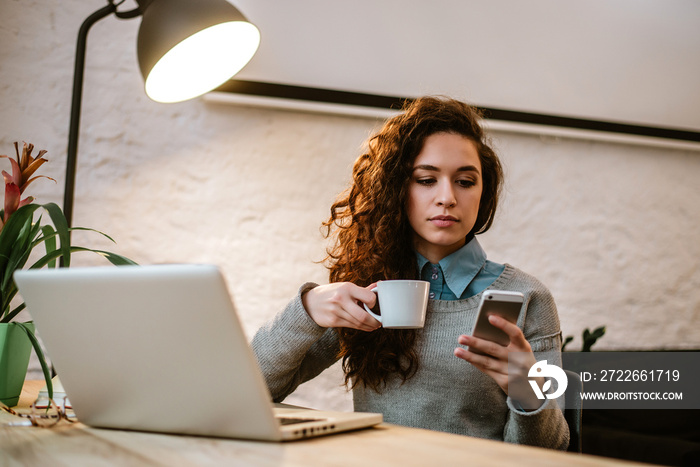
<point>160,348</point>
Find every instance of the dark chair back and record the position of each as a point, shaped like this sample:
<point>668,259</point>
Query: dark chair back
<point>572,412</point>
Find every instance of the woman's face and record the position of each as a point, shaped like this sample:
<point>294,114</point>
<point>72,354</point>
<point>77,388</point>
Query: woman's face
<point>444,194</point>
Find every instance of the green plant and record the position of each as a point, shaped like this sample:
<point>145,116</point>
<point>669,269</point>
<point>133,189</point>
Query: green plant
<point>20,234</point>
<point>589,338</point>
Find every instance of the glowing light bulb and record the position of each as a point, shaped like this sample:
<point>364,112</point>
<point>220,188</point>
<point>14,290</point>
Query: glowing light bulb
<point>202,62</point>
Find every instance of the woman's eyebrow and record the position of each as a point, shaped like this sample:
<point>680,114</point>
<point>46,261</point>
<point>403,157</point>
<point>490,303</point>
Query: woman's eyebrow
<point>426,167</point>
<point>432,168</point>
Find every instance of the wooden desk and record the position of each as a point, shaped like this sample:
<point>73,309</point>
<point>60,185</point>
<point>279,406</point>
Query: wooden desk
<point>76,444</point>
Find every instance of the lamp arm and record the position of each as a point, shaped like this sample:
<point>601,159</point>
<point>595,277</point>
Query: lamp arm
<point>76,102</point>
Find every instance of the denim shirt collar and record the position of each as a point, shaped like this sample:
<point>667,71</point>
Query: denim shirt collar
<point>460,267</point>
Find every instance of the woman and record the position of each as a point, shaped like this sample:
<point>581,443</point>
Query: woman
<point>427,185</point>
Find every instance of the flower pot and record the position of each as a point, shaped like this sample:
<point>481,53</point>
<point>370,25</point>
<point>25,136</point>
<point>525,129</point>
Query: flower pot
<point>15,349</point>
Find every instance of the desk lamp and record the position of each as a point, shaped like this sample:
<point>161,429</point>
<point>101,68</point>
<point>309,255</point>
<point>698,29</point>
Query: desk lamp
<point>185,49</point>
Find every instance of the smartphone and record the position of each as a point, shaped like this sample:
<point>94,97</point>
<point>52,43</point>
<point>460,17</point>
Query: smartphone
<point>503,303</point>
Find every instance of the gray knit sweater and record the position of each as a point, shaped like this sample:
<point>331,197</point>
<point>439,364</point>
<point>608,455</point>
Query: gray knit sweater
<point>447,393</point>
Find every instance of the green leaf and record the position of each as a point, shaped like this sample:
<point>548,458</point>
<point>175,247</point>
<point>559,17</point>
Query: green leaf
<point>40,356</point>
<point>8,317</point>
<point>13,227</point>
<point>96,231</point>
<point>21,249</point>
<point>566,342</point>
<point>13,247</point>
<point>49,240</point>
<point>12,237</point>
<point>61,225</point>
<point>590,338</point>
<point>117,260</point>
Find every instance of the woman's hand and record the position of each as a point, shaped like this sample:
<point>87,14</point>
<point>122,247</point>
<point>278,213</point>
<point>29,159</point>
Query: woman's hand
<point>336,306</point>
<point>495,361</point>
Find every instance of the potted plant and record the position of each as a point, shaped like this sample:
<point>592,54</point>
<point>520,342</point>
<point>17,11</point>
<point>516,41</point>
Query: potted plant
<point>21,234</point>
<point>589,338</point>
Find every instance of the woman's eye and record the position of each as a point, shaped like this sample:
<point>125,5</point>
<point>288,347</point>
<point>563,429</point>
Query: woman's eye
<point>425,181</point>
<point>466,183</point>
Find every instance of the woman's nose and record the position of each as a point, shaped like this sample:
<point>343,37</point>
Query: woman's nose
<point>446,196</point>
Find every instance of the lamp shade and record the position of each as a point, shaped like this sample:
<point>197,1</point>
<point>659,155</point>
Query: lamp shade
<point>189,47</point>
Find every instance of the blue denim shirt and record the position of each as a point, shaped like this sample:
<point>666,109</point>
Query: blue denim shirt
<point>463,274</point>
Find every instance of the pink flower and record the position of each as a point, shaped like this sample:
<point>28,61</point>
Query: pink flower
<point>22,170</point>
<point>12,200</point>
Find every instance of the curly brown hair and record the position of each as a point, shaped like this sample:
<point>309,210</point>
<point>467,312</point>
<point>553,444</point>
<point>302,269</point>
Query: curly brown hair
<point>373,239</point>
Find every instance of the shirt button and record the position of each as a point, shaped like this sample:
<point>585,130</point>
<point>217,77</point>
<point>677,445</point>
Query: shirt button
<point>431,295</point>
<point>434,276</point>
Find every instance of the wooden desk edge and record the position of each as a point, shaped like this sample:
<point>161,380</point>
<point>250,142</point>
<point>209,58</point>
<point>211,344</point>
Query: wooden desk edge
<point>31,389</point>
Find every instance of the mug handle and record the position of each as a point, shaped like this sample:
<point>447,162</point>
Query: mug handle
<point>374,315</point>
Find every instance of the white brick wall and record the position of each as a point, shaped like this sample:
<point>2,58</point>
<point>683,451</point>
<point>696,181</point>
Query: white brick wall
<point>612,229</point>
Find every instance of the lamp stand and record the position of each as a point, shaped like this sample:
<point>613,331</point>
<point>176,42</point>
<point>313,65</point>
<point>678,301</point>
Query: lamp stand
<point>74,128</point>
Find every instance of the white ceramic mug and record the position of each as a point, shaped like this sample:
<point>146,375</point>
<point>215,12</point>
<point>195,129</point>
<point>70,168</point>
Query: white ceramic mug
<point>402,303</point>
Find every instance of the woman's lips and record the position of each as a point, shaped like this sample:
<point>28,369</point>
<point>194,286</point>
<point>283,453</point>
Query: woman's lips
<point>443,221</point>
